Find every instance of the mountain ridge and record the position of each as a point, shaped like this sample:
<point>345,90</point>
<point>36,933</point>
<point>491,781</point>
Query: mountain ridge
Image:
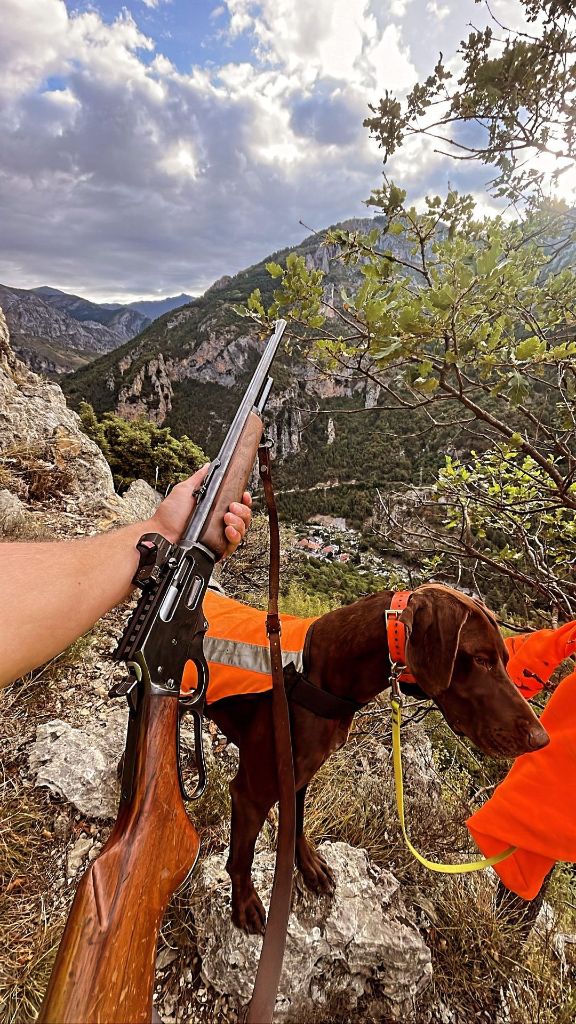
<point>56,332</point>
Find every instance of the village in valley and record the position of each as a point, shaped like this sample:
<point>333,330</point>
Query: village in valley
<point>331,539</point>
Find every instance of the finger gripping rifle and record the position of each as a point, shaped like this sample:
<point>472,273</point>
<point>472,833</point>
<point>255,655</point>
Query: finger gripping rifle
<point>104,969</point>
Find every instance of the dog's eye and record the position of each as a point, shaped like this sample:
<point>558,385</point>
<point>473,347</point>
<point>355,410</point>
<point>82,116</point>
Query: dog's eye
<point>483,661</point>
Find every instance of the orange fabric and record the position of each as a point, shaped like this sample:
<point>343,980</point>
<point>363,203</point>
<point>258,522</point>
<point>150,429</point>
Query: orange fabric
<point>245,630</point>
<point>534,656</point>
<point>533,808</point>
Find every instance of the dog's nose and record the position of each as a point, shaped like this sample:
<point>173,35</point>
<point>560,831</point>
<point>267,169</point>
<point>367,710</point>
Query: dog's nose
<point>538,737</point>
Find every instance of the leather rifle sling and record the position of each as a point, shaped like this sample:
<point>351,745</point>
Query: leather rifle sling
<point>261,1007</point>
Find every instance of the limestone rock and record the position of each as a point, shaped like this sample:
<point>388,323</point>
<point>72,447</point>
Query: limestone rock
<point>140,501</point>
<point>356,950</point>
<point>80,765</point>
<point>420,773</point>
<point>418,768</point>
<point>220,357</point>
<point>34,418</point>
<point>13,514</point>
<point>148,394</point>
<point>77,853</point>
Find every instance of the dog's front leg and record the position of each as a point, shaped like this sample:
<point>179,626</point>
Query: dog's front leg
<point>248,817</point>
<point>315,871</point>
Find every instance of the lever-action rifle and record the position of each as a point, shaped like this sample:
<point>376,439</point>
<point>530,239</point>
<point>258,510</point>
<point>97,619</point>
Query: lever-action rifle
<point>104,969</point>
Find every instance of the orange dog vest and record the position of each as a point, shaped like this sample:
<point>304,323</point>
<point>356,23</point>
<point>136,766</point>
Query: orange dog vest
<point>533,808</point>
<point>236,648</point>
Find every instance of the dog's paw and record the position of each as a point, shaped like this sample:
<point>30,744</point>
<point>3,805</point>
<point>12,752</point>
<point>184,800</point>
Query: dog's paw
<point>316,873</point>
<point>249,915</point>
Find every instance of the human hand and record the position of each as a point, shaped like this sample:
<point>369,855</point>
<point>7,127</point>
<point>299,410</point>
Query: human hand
<point>173,513</point>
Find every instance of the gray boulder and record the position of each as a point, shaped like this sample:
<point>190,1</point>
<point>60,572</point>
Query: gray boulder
<point>140,501</point>
<point>80,765</point>
<point>358,950</point>
<point>13,514</point>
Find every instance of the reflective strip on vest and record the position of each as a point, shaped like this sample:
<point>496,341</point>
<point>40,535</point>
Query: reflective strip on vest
<point>247,656</point>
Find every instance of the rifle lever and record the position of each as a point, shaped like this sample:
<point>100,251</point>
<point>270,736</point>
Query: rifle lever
<point>195,702</point>
<point>196,710</point>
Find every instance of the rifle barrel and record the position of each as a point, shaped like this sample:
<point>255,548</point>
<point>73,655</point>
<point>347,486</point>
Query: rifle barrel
<point>219,466</point>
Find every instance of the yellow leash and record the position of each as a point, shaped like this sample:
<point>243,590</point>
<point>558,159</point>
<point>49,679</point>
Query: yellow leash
<point>432,865</point>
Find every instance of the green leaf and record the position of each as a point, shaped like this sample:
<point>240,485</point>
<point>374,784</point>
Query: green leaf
<point>255,302</point>
<point>274,269</point>
<point>441,298</point>
<point>425,369</point>
<point>516,388</point>
<point>388,350</point>
<point>530,347</point>
<point>488,260</point>
<point>409,320</point>
<point>374,311</point>
<point>427,386</point>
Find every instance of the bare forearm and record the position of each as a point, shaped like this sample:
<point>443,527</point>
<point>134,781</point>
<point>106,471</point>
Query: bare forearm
<point>52,593</point>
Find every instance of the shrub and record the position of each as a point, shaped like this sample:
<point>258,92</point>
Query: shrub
<point>141,450</point>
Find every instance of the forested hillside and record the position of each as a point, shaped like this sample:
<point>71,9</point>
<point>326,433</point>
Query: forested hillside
<point>337,437</point>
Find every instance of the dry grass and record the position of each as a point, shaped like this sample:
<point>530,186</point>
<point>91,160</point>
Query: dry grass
<point>34,832</point>
<point>30,915</point>
<point>26,863</point>
<point>30,472</point>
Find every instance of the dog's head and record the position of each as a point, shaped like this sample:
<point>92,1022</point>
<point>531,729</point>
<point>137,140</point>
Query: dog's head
<point>457,655</point>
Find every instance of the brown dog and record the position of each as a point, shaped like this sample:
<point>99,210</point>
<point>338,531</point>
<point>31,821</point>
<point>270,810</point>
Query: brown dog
<point>455,651</point>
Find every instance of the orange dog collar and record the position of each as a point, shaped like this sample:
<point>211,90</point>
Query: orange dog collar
<point>396,634</point>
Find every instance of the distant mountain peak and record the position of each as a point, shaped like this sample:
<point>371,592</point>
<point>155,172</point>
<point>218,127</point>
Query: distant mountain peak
<point>153,308</point>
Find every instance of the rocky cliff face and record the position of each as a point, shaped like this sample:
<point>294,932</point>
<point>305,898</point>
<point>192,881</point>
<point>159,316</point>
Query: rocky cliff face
<point>148,394</point>
<point>127,323</point>
<point>37,428</point>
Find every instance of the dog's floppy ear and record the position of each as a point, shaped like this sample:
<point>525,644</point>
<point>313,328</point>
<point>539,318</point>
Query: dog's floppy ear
<point>433,623</point>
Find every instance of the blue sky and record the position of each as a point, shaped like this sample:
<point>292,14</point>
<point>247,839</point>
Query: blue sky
<point>188,32</point>
<point>150,147</point>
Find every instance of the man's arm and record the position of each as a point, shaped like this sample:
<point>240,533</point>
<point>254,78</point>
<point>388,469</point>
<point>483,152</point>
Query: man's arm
<point>52,593</point>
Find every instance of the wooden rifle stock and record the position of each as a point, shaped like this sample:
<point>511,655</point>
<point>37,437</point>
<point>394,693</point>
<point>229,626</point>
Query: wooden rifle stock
<point>104,970</point>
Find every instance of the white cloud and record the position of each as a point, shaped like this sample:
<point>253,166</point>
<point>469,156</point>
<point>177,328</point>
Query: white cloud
<point>119,172</point>
<point>438,10</point>
<point>399,7</point>
<point>337,39</point>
